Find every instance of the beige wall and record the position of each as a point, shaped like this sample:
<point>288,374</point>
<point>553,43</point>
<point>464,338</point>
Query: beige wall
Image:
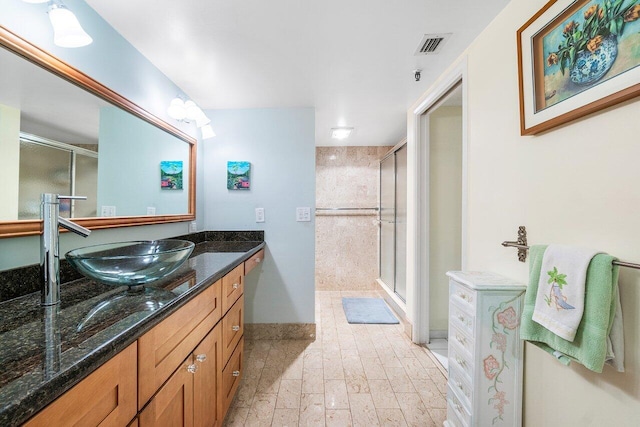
<point>10,149</point>
<point>445,208</point>
<point>347,243</point>
<point>575,185</point>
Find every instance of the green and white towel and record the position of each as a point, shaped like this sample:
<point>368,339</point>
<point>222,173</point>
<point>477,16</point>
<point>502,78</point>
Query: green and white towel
<point>560,298</point>
<point>591,342</point>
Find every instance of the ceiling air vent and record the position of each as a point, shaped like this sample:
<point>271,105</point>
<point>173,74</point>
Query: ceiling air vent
<point>431,43</point>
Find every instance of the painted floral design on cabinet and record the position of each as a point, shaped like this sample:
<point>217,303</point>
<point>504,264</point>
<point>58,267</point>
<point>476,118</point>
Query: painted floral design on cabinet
<point>504,320</point>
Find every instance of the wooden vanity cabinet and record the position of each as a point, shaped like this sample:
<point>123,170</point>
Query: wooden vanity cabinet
<point>191,396</point>
<point>107,397</point>
<point>169,343</point>
<point>183,372</point>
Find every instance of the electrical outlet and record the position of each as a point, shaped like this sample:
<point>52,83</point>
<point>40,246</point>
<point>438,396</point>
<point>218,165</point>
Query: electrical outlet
<point>303,214</point>
<point>259,214</point>
<point>193,227</point>
<point>108,211</point>
<point>151,210</point>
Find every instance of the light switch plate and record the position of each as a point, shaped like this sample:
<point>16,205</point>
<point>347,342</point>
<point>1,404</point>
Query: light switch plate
<point>193,227</point>
<point>151,210</point>
<point>303,214</point>
<point>259,214</point>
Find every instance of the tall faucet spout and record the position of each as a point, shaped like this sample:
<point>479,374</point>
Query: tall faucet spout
<point>72,226</point>
<point>50,245</point>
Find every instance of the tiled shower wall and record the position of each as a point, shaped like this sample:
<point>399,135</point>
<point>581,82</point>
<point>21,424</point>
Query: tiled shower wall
<point>347,241</point>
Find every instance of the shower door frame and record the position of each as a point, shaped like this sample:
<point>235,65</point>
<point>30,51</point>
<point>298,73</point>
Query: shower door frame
<point>418,300</point>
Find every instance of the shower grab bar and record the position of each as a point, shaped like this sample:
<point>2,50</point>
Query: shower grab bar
<point>523,248</point>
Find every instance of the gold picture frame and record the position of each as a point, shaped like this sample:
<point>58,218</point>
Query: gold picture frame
<point>576,58</point>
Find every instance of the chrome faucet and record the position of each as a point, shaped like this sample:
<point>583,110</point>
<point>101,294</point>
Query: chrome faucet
<point>50,245</point>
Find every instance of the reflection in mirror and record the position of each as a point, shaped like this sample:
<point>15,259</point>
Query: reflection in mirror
<point>57,137</point>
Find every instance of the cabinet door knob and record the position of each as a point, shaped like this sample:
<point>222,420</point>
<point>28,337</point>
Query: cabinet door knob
<point>201,357</point>
<point>462,340</point>
<point>235,286</point>
<point>258,260</point>
<point>236,373</point>
<point>461,318</point>
<point>235,328</point>
<point>192,368</point>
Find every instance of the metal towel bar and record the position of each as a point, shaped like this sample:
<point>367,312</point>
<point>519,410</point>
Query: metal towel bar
<point>523,248</point>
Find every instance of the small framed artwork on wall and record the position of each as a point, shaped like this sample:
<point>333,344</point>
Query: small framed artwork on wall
<point>171,175</point>
<point>576,58</point>
<point>238,175</point>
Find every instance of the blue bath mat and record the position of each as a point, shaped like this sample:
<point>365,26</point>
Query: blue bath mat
<point>368,310</point>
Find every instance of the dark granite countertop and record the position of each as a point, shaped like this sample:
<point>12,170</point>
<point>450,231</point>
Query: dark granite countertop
<point>45,351</point>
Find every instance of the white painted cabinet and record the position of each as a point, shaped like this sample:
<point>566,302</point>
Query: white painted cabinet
<point>485,350</point>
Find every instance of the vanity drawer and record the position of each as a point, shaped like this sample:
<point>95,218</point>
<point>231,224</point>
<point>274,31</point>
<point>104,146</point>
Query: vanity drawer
<point>454,407</point>
<point>232,329</point>
<point>253,262</point>
<point>463,389</point>
<point>169,343</point>
<point>461,360</point>
<point>463,296</point>
<point>458,336</point>
<point>231,376</point>
<point>462,319</point>
<point>232,287</point>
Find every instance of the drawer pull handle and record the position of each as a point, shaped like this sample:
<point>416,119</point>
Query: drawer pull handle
<point>462,340</point>
<point>235,328</point>
<point>462,295</point>
<point>236,373</point>
<point>461,318</point>
<point>192,368</point>
<point>459,384</point>
<point>201,358</point>
<point>235,286</point>
<point>258,260</point>
<point>461,362</point>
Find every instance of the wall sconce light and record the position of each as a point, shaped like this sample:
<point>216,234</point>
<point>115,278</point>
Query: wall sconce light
<point>67,31</point>
<point>188,111</point>
<point>341,133</point>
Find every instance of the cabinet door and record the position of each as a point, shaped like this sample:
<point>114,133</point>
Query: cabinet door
<point>165,346</point>
<point>232,287</point>
<point>107,397</point>
<point>231,376</point>
<point>232,328</point>
<point>172,406</point>
<point>207,411</point>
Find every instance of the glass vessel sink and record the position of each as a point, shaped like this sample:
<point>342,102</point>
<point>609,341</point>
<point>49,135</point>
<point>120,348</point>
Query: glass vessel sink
<point>130,263</point>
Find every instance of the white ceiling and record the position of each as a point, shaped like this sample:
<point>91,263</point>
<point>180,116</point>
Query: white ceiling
<point>352,60</point>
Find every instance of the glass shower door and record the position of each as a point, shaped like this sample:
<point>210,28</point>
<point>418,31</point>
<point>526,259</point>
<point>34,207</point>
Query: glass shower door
<point>393,222</point>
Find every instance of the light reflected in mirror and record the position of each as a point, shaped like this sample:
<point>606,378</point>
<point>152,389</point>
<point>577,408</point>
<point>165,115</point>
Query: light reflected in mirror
<point>58,137</point>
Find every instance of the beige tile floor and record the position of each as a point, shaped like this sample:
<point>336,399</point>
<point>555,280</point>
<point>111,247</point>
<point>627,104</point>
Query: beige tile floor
<point>351,375</point>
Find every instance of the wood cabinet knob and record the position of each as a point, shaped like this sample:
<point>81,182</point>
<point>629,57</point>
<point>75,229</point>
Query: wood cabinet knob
<point>258,260</point>
<point>235,286</point>
<point>201,357</point>
<point>192,368</point>
<point>236,373</point>
<point>235,328</point>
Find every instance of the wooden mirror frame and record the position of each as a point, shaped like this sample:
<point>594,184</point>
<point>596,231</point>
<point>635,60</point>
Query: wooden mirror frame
<point>41,58</point>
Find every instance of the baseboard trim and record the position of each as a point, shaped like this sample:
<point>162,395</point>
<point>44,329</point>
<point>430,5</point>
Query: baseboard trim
<point>280,331</point>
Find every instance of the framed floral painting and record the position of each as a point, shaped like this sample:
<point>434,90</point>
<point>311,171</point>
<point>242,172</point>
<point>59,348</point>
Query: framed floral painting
<point>576,58</point>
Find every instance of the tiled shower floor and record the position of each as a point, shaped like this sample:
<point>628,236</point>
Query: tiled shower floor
<point>351,375</point>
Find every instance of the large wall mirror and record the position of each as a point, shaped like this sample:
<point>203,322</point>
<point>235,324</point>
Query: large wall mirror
<point>63,132</point>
